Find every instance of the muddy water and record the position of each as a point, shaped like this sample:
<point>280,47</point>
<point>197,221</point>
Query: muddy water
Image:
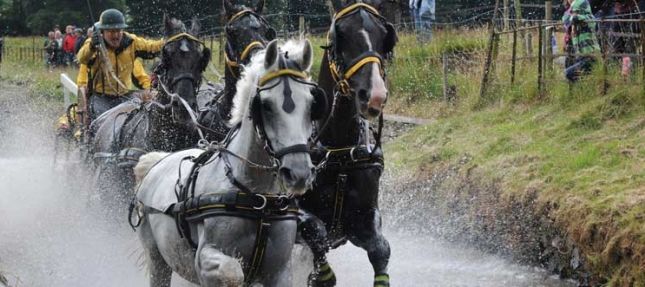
<point>52,235</point>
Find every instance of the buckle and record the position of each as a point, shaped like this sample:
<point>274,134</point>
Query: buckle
<point>283,200</point>
<point>351,154</point>
<point>264,201</point>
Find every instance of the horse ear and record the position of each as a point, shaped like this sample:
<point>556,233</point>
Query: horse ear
<point>271,56</point>
<point>390,39</point>
<point>307,56</point>
<point>195,27</point>
<point>168,26</point>
<point>374,3</point>
<point>338,4</point>
<point>206,58</point>
<point>229,8</point>
<point>259,6</point>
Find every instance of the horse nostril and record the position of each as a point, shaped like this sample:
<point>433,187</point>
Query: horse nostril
<point>363,95</point>
<point>286,174</point>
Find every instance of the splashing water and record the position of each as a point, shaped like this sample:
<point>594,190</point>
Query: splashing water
<point>51,234</point>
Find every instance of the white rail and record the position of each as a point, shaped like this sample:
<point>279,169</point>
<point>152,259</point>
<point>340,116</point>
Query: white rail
<point>69,87</point>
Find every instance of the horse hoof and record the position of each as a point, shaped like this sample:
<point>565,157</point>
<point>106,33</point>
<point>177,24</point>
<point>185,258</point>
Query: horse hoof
<point>325,277</point>
<point>382,280</point>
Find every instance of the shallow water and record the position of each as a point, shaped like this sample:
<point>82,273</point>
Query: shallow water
<point>51,235</point>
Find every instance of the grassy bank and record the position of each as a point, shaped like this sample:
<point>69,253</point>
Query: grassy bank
<point>583,151</point>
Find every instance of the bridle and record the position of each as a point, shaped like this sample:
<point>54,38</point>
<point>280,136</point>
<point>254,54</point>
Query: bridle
<point>256,113</point>
<point>162,70</point>
<point>233,62</point>
<point>340,72</point>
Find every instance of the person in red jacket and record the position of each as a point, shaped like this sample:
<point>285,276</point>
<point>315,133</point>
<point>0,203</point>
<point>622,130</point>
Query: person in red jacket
<point>68,45</point>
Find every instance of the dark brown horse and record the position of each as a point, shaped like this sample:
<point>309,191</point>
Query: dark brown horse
<point>133,128</point>
<point>344,202</point>
<point>246,32</point>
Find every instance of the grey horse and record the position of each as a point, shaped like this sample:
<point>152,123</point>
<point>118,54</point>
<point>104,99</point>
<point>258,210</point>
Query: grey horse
<point>239,216</point>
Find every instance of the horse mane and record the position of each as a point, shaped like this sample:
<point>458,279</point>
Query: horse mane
<point>248,83</point>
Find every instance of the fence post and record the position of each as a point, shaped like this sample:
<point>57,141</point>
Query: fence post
<point>605,70</point>
<point>444,64</point>
<point>301,25</point>
<point>514,59</point>
<point>506,15</point>
<point>643,53</point>
<point>221,48</point>
<point>518,21</point>
<point>548,17</point>
<point>540,62</point>
<point>33,49</point>
<point>489,56</point>
<point>529,44</point>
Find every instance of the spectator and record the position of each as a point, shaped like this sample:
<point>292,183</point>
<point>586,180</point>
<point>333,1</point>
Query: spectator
<point>51,46</point>
<point>583,38</point>
<point>68,45</point>
<point>423,12</point>
<point>80,39</point>
<point>59,47</point>
<point>621,40</point>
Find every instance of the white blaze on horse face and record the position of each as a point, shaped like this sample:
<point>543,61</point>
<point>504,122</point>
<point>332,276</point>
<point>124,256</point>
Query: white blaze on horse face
<point>378,92</point>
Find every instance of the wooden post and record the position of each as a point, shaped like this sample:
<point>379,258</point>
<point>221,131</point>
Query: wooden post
<point>33,49</point>
<point>548,18</point>
<point>548,11</point>
<point>529,44</point>
<point>604,50</point>
<point>518,21</point>
<point>220,49</point>
<point>444,64</point>
<point>301,25</point>
<point>489,56</point>
<point>507,15</point>
<point>514,59</point>
<point>540,68</point>
<point>643,55</point>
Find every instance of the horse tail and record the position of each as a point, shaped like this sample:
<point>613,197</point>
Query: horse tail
<point>146,162</point>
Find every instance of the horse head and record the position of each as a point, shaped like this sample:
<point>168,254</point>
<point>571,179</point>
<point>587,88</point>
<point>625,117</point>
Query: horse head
<point>183,60</point>
<point>276,96</point>
<point>245,31</point>
<point>359,41</point>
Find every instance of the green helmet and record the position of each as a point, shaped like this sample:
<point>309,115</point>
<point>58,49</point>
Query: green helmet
<point>112,19</point>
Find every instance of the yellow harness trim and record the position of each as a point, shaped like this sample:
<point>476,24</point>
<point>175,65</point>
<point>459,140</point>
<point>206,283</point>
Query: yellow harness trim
<point>181,35</point>
<point>238,15</point>
<point>284,72</point>
<point>245,53</point>
<point>360,64</point>
<point>351,8</point>
<point>342,81</point>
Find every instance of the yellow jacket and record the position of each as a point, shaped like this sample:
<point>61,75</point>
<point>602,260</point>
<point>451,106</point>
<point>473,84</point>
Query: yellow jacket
<point>138,72</point>
<point>122,60</point>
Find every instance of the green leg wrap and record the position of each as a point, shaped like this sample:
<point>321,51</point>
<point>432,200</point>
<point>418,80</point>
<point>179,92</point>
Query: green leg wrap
<point>382,280</point>
<point>323,277</point>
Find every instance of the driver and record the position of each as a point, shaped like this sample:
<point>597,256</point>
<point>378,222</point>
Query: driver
<point>110,56</point>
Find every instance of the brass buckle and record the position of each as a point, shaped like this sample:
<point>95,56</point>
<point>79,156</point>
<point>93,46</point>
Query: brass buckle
<point>264,202</point>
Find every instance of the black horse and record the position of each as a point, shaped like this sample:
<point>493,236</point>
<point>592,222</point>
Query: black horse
<point>344,202</point>
<point>165,123</point>
<point>246,32</point>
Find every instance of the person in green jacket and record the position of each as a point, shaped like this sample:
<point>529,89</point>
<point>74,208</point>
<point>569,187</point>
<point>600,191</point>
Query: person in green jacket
<point>581,28</point>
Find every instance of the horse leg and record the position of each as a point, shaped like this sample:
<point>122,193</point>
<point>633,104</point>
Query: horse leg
<point>366,234</point>
<point>313,231</point>
<point>216,269</point>
<point>160,272</point>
